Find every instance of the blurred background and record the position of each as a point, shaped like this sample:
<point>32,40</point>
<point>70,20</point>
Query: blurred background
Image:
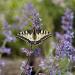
<point>15,16</point>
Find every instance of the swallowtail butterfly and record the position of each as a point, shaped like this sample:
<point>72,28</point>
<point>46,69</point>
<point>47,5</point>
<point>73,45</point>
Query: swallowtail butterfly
<point>34,36</point>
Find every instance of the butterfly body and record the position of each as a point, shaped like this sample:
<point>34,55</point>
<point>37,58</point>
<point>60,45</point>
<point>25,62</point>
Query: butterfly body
<point>34,36</point>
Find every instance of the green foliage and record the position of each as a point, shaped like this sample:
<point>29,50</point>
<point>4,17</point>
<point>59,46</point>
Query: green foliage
<point>63,63</point>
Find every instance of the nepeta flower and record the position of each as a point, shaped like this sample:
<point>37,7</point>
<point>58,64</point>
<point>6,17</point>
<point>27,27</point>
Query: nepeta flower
<point>48,63</point>
<point>37,52</point>
<point>9,36</point>
<point>72,56</point>
<point>2,63</point>
<point>28,52</point>
<point>42,64</point>
<point>64,47</point>
<point>5,50</point>
<point>52,72</point>
<point>59,72</point>
<point>26,68</point>
<point>32,15</point>
<point>6,31</point>
<point>28,15</point>
<point>20,22</point>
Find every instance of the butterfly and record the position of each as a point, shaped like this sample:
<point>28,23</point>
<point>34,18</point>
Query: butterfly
<point>34,36</point>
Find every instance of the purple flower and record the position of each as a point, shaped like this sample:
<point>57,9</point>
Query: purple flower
<point>9,36</point>
<point>64,47</point>
<point>28,15</point>
<point>5,24</point>
<point>21,22</point>
<point>5,50</point>
<point>42,64</point>
<point>52,72</point>
<point>59,72</point>
<point>6,31</point>
<point>2,63</point>
<point>32,15</point>
<point>37,52</point>
<point>72,56</point>
<point>26,68</point>
<point>28,52</point>
<point>67,20</point>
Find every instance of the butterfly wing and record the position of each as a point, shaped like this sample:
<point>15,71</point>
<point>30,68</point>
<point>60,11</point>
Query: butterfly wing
<point>26,36</point>
<point>42,35</point>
